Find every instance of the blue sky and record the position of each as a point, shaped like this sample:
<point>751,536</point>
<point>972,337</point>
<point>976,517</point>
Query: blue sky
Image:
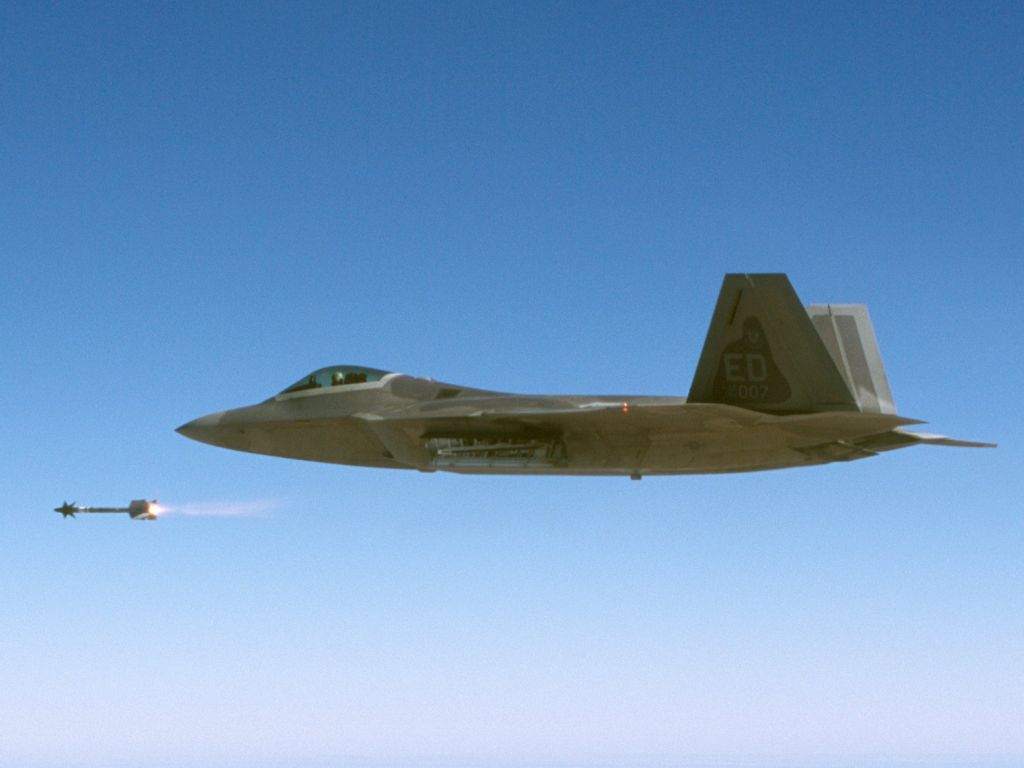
<point>201,202</point>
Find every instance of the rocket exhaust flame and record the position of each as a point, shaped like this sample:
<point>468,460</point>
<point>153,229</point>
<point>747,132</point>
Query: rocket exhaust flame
<point>218,509</point>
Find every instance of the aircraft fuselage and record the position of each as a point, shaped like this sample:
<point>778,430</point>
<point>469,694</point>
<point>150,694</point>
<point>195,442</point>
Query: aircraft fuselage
<point>401,422</point>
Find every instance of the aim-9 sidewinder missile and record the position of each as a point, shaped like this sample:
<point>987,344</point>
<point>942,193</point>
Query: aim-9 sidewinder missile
<point>138,509</point>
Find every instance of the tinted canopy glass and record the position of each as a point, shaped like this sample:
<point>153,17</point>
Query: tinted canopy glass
<point>336,376</point>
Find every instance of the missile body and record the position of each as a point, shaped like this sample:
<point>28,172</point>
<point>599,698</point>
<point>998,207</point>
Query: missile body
<point>138,509</point>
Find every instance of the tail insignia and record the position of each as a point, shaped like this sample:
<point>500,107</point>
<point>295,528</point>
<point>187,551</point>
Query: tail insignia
<point>747,372</point>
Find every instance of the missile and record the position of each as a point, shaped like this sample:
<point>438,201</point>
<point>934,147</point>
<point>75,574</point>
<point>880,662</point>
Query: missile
<point>138,509</point>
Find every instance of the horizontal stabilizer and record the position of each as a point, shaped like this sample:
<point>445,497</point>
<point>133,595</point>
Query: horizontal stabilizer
<point>930,439</point>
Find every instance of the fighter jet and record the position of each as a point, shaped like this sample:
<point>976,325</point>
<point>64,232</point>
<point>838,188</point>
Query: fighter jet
<point>777,385</point>
<point>138,509</point>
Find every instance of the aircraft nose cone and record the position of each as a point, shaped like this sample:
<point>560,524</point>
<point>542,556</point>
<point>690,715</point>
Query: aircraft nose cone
<point>225,429</point>
<point>205,429</point>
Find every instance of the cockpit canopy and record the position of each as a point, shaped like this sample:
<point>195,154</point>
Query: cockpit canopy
<point>336,376</point>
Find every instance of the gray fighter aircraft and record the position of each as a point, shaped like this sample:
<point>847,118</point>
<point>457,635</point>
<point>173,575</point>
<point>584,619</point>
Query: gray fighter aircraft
<point>776,386</point>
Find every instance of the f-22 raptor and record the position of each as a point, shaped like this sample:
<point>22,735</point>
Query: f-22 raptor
<point>777,385</point>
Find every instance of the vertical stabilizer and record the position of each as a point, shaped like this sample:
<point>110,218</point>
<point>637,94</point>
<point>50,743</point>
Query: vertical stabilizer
<point>763,353</point>
<point>850,339</point>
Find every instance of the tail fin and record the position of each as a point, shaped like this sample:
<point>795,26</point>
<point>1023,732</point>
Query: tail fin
<point>850,340</point>
<point>763,353</point>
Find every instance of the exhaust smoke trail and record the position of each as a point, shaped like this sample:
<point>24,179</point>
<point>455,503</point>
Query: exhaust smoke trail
<point>219,509</point>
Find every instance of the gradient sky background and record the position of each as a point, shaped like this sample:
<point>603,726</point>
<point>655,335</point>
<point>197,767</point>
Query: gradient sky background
<point>199,203</point>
